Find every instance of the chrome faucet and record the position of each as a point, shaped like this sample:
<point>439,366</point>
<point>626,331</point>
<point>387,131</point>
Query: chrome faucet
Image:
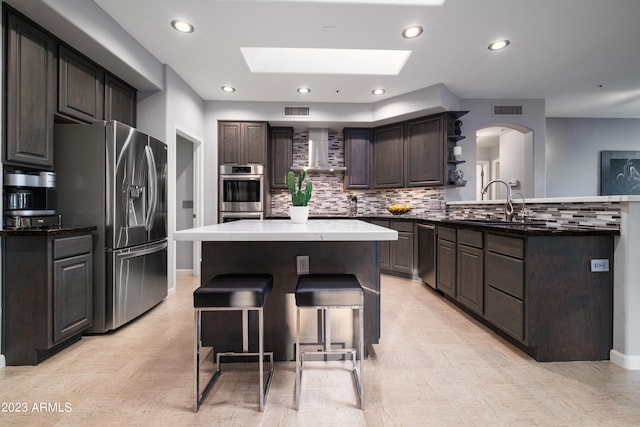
<point>508,205</point>
<point>523,215</point>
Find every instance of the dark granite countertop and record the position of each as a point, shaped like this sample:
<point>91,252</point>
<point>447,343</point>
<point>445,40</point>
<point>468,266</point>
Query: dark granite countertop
<point>530,228</point>
<point>55,231</point>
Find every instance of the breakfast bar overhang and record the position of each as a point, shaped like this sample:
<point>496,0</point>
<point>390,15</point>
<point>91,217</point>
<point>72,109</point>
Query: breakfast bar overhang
<point>271,246</point>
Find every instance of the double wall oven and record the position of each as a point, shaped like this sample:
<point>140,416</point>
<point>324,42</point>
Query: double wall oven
<point>241,192</point>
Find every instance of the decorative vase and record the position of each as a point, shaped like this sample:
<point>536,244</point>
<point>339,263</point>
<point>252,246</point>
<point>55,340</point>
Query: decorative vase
<point>299,214</point>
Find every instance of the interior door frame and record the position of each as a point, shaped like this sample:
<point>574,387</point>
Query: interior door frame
<point>198,192</point>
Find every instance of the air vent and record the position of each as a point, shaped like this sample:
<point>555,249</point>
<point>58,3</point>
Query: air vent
<point>297,112</point>
<point>507,110</point>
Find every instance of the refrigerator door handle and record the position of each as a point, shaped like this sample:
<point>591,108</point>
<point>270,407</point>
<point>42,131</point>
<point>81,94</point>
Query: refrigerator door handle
<point>152,184</point>
<point>134,253</point>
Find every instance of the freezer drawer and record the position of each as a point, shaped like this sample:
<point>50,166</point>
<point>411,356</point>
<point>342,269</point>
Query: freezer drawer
<point>139,278</point>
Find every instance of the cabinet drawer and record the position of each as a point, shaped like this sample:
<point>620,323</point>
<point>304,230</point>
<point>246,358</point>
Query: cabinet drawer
<point>506,245</point>
<point>447,233</point>
<point>402,226</point>
<point>70,246</point>
<point>505,312</point>
<point>470,238</point>
<point>505,273</point>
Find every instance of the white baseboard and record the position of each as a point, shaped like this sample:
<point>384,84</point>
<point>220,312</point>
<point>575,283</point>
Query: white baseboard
<point>2,361</point>
<point>627,362</point>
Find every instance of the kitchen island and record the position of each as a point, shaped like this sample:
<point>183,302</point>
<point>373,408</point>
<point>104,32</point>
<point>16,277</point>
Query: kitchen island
<point>271,246</point>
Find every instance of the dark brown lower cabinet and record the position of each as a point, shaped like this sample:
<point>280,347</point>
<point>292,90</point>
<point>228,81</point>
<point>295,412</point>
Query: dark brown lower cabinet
<point>537,289</point>
<point>47,293</point>
<point>446,261</point>
<point>401,251</point>
<point>397,256</point>
<point>470,268</point>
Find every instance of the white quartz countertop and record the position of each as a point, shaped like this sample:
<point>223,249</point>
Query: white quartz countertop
<point>283,230</point>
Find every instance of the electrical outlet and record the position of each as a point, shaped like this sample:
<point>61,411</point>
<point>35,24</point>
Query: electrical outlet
<point>302,264</point>
<point>599,265</point>
<point>434,204</point>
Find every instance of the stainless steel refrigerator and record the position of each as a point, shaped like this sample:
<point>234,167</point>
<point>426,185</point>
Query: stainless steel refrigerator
<point>114,176</point>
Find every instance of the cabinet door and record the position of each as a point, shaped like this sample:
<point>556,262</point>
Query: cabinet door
<point>357,150</point>
<point>424,147</point>
<point>80,87</point>
<point>30,94</point>
<point>229,143</point>
<point>402,250</point>
<point>470,277</point>
<point>281,156</point>
<point>388,156</point>
<point>446,271</point>
<point>119,101</point>
<point>72,295</point>
<point>254,143</point>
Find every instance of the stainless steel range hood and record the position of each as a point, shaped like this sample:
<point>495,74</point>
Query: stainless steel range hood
<point>319,152</point>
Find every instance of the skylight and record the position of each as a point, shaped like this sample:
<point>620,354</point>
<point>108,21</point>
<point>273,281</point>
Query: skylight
<point>324,61</point>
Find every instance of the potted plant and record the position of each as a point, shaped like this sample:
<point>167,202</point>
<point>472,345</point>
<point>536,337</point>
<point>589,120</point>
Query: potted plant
<point>299,212</point>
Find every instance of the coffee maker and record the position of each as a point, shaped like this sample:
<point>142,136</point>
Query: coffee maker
<point>29,200</point>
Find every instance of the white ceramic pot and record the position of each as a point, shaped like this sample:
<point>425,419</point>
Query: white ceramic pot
<point>299,214</point>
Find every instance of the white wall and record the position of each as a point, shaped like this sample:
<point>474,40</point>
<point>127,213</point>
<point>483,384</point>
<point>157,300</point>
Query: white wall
<point>512,161</point>
<point>184,193</point>
<point>573,152</point>
<point>481,116</point>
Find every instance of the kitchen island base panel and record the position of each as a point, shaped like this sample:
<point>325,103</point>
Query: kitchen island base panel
<point>221,330</point>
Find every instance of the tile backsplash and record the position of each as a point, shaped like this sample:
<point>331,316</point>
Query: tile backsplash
<point>599,215</point>
<point>331,199</point>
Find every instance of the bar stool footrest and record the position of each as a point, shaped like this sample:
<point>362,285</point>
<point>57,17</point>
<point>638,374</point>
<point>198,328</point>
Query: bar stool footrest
<point>218,372</point>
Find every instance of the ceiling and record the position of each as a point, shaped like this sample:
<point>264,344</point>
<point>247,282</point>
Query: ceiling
<point>581,56</point>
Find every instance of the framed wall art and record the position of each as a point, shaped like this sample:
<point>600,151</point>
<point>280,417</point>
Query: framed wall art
<point>619,172</point>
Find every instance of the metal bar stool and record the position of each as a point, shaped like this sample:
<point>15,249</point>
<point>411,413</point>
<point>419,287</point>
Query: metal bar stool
<point>234,292</point>
<point>324,292</point>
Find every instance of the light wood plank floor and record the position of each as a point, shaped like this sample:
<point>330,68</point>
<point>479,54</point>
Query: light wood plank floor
<point>433,366</point>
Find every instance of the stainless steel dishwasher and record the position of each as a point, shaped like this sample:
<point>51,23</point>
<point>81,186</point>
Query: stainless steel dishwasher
<point>427,254</point>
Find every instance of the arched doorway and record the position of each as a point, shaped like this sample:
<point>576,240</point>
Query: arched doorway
<point>505,152</point>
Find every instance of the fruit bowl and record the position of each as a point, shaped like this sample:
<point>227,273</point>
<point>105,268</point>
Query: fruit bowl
<point>399,209</point>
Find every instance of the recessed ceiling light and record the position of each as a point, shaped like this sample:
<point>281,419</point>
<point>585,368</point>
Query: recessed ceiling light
<point>499,44</point>
<point>227,88</point>
<point>378,91</point>
<point>412,32</point>
<point>182,26</point>
<point>304,90</point>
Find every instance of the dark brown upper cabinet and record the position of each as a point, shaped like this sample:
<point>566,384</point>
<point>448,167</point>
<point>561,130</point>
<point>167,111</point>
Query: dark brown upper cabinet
<point>119,101</point>
<point>388,156</point>
<point>80,87</point>
<point>423,152</point>
<point>280,156</point>
<point>46,80</point>
<point>357,148</point>
<point>29,93</point>
<point>416,153</point>
<point>242,143</point>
